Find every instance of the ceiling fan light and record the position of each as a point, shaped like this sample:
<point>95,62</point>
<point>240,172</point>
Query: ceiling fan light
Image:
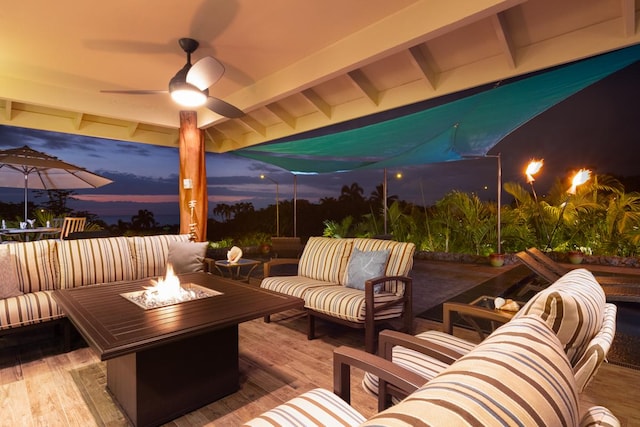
<point>189,97</point>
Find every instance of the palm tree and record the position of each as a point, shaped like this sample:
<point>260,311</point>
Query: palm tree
<point>144,220</point>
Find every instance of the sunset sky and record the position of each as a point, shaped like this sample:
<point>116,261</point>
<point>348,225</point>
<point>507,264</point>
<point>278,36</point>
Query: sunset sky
<point>595,128</point>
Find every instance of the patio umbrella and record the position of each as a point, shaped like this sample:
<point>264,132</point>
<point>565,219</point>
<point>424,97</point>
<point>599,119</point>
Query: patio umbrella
<point>31,169</point>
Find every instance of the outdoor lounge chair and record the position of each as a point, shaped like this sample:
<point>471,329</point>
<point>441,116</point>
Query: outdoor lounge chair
<point>616,288</point>
<point>573,306</point>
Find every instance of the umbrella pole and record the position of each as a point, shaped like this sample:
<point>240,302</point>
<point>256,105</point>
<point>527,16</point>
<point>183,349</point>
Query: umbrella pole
<point>26,186</point>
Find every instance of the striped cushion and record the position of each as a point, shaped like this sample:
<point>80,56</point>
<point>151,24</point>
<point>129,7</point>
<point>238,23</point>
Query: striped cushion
<point>596,352</point>
<point>599,416</point>
<point>90,261</point>
<point>27,309</point>
<point>317,407</point>
<point>37,265</point>
<point>295,286</point>
<point>451,349</point>
<point>573,307</point>
<point>348,303</point>
<point>325,259</point>
<point>519,375</point>
<point>150,253</point>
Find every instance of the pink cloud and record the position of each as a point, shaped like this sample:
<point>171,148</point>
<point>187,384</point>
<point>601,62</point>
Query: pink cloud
<point>132,198</point>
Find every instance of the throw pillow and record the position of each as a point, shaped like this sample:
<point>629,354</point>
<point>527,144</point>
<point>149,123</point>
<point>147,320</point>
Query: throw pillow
<point>9,286</point>
<point>365,265</point>
<point>187,257</point>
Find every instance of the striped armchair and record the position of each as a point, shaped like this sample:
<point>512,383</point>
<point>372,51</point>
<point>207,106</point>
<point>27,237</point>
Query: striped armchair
<point>356,282</point>
<point>520,375</point>
<point>574,307</point>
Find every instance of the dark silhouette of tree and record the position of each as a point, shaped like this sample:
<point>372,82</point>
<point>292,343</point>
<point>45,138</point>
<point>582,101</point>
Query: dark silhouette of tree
<point>56,201</point>
<point>223,210</point>
<point>144,220</point>
<point>352,193</point>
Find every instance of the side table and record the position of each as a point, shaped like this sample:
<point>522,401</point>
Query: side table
<point>480,308</point>
<point>234,269</point>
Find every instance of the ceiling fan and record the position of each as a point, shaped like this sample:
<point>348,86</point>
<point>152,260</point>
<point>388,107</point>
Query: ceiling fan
<point>190,86</point>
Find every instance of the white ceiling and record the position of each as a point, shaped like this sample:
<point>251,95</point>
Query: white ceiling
<point>291,65</point>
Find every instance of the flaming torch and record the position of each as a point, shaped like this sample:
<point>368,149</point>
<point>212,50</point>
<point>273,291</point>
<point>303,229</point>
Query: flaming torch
<point>579,178</point>
<point>533,168</point>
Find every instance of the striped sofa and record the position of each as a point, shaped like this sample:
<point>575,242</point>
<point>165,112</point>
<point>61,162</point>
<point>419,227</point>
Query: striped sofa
<point>574,307</point>
<point>519,376</point>
<point>43,266</point>
<point>327,271</point>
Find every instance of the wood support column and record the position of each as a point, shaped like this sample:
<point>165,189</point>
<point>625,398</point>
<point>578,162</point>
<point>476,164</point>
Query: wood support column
<point>193,174</point>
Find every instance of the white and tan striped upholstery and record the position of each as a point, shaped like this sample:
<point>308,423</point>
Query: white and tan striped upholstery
<point>599,416</point>
<point>28,309</point>
<point>596,352</point>
<point>37,265</point>
<point>573,307</point>
<point>348,303</point>
<point>150,253</point>
<point>91,261</point>
<point>449,346</point>
<point>45,265</point>
<point>325,259</point>
<point>318,407</point>
<point>296,286</point>
<point>519,375</point>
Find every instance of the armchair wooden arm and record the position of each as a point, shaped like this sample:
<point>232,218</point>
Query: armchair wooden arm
<point>371,309</point>
<point>389,338</point>
<point>278,261</point>
<point>468,312</point>
<point>390,373</point>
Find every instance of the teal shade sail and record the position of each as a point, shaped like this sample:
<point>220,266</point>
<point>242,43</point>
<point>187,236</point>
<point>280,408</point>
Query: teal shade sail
<point>463,128</point>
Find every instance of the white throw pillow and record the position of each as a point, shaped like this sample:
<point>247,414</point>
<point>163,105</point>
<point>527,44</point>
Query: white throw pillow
<point>9,286</point>
<point>365,265</point>
<point>187,257</point>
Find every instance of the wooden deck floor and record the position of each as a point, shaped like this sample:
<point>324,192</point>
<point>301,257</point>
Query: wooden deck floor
<point>277,363</point>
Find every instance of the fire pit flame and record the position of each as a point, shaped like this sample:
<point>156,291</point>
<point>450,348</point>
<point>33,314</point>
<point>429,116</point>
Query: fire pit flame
<point>168,291</point>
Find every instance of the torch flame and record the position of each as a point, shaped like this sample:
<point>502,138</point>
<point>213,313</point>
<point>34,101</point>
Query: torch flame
<point>533,168</point>
<point>579,178</point>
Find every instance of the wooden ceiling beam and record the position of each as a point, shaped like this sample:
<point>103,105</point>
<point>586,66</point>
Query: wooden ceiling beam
<point>419,59</point>
<point>317,101</point>
<point>362,83</point>
<point>254,124</point>
<point>628,17</point>
<point>500,27</point>
<point>8,105</point>
<point>77,120</point>
<point>282,114</point>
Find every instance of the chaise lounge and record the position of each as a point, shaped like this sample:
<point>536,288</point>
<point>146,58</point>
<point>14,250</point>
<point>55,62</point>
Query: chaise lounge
<point>617,288</point>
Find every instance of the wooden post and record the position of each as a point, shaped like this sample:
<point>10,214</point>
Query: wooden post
<point>193,178</point>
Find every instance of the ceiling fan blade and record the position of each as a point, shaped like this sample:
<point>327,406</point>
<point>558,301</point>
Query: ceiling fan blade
<point>136,92</point>
<point>205,72</point>
<point>223,108</point>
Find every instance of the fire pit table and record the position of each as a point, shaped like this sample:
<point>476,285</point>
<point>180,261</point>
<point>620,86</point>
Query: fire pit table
<point>169,360</point>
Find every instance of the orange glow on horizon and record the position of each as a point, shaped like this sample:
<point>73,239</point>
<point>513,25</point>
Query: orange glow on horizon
<point>134,198</point>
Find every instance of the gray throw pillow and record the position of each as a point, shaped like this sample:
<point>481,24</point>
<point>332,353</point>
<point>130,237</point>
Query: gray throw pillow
<point>9,286</point>
<point>187,257</point>
<point>365,265</point>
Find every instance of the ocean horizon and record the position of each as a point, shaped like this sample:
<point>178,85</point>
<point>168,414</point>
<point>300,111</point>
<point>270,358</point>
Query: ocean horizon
<point>160,219</point>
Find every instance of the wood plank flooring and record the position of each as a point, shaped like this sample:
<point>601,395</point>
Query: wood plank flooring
<point>277,362</point>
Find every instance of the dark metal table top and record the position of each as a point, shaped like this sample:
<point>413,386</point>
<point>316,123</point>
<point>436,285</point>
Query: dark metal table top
<point>114,326</point>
